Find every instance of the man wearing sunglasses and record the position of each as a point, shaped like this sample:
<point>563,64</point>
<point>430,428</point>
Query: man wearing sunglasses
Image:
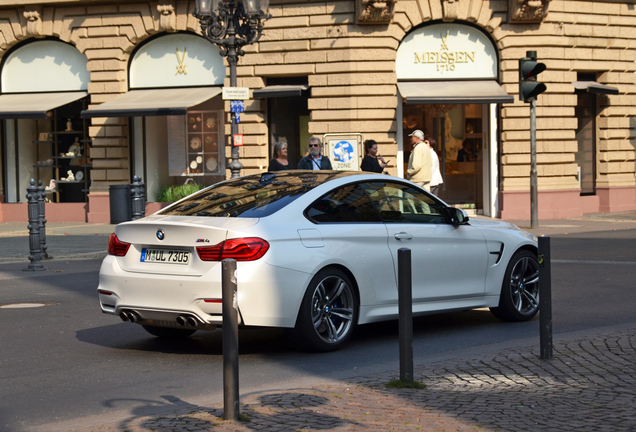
<point>314,161</point>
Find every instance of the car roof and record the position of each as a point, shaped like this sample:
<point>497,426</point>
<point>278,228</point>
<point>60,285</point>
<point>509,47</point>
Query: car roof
<point>259,195</point>
<point>308,178</point>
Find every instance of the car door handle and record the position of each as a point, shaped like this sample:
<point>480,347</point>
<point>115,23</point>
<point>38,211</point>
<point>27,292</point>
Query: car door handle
<point>403,236</point>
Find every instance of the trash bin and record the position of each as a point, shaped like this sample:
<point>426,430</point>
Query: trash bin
<point>120,203</point>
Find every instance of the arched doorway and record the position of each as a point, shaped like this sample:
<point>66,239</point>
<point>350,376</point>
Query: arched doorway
<point>448,88</point>
<point>176,112</point>
<point>43,87</point>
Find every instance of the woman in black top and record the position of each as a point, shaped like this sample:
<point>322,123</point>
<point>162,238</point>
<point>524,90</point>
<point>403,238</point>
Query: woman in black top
<point>370,162</point>
<point>280,162</point>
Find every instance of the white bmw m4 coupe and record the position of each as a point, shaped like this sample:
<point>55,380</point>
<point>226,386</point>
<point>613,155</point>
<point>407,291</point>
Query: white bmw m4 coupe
<point>316,252</point>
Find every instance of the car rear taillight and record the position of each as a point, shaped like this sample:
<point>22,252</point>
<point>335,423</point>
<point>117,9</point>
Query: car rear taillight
<point>211,253</point>
<point>241,249</point>
<point>117,247</point>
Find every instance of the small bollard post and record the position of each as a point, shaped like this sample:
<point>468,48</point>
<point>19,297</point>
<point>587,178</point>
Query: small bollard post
<point>138,196</point>
<point>545,298</point>
<point>42,221</point>
<point>405,310</point>
<point>34,228</point>
<point>230,341</point>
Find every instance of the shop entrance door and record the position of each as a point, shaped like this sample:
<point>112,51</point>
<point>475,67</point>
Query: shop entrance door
<point>460,132</point>
<point>288,119</point>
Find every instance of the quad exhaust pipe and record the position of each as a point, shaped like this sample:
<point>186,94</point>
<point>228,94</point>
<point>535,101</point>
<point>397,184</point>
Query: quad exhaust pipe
<point>187,321</point>
<point>128,316</point>
<point>182,320</point>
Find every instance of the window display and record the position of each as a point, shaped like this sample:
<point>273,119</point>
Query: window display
<point>62,152</point>
<point>458,130</point>
<point>201,143</point>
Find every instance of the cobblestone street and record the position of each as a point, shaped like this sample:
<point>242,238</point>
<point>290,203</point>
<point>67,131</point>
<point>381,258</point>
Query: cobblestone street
<point>589,385</point>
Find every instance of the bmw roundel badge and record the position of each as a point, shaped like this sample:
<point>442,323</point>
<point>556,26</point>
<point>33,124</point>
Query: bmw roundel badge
<point>160,234</point>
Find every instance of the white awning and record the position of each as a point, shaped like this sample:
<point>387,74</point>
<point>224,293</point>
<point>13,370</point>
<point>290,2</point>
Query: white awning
<point>453,92</point>
<point>593,87</point>
<point>34,105</point>
<point>280,91</point>
<point>153,102</point>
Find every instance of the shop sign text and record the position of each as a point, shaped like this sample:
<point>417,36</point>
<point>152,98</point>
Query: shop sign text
<point>445,59</point>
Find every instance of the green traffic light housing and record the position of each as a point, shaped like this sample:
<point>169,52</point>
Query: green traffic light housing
<point>529,68</point>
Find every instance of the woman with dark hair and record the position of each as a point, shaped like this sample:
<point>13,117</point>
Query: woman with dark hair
<point>279,162</point>
<point>370,162</point>
<point>436,178</point>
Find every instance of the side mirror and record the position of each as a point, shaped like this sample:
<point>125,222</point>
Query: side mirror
<point>458,216</point>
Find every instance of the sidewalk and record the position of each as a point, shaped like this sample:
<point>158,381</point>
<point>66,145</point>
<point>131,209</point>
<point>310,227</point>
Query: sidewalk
<point>586,223</point>
<point>64,240</point>
<point>589,385</point>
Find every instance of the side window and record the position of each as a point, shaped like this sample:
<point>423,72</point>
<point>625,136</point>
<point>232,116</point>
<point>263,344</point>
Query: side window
<point>346,204</point>
<point>399,202</point>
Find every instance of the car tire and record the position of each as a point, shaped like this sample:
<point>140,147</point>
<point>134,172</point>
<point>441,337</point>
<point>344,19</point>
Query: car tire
<point>168,333</point>
<point>519,300</point>
<point>328,313</point>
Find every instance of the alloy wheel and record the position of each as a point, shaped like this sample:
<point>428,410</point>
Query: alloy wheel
<point>524,285</point>
<point>332,309</point>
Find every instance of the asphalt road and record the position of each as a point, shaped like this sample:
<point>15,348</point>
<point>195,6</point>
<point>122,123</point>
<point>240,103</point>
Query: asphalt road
<point>66,360</point>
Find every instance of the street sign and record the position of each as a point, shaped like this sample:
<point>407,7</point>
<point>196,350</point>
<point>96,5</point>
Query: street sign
<point>236,93</point>
<point>343,150</point>
<point>237,106</point>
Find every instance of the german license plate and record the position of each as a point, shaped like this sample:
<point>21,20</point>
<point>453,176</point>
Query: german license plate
<point>165,256</point>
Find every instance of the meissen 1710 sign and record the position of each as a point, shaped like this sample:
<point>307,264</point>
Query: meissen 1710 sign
<point>446,51</point>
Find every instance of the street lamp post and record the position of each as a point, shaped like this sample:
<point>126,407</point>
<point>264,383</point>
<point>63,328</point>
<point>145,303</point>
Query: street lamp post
<point>231,25</point>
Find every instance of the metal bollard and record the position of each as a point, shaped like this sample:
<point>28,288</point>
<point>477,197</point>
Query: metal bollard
<point>34,229</point>
<point>42,221</point>
<point>138,196</point>
<point>230,341</point>
<point>405,310</point>
<point>545,298</point>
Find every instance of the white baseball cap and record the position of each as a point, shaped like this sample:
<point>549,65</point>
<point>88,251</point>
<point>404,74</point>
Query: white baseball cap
<point>417,133</point>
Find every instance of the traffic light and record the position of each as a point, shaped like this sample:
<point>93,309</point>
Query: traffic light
<point>529,68</point>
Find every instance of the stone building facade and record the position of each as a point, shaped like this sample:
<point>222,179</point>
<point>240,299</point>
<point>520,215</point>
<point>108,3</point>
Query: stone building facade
<point>343,56</point>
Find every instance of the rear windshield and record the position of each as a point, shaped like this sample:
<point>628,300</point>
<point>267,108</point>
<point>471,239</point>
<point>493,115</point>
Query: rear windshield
<point>253,196</point>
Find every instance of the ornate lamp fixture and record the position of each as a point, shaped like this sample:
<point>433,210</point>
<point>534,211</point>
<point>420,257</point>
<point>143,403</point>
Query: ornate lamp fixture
<point>231,25</point>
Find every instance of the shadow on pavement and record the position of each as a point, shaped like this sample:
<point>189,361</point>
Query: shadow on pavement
<point>126,336</point>
<point>281,411</point>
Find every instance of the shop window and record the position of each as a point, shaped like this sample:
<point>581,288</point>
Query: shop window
<point>169,151</point>
<point>195,144</point>
<point>461,140</point>
<point>586,138</point>
<point>55,151</point>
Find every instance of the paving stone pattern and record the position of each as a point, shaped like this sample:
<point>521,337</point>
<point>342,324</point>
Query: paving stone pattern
<point>589,385</point>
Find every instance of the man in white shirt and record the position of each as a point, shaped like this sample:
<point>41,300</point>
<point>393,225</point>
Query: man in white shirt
<point>420,161</point>
<point>436,177</point>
